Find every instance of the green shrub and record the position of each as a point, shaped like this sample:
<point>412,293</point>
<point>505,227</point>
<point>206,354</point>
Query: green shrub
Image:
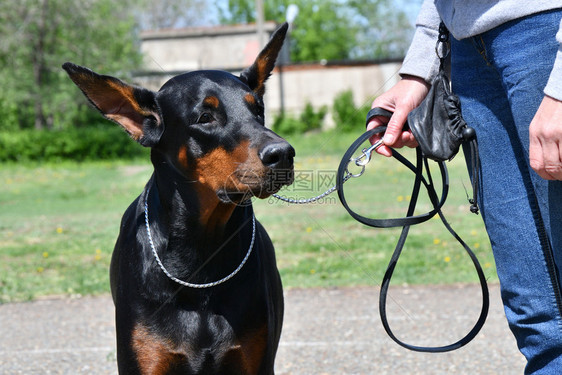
<point>309,119</point>
<point>10,114</point>
<point>346,115</point>
<point>78,144</point>
<point>313,119</point>
<point>286,125</point>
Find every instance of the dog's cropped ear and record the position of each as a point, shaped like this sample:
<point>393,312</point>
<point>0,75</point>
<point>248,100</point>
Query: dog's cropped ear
<point>256,75</point>
<point>134,108</point>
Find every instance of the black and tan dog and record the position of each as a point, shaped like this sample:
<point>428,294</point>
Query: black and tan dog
<point>193,275</point>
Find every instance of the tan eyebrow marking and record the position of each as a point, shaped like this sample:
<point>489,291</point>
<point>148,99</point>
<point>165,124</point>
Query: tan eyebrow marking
<point>250,98</point>
<point>212,101</point>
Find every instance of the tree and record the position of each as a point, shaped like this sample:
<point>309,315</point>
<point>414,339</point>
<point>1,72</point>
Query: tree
<point>39,35</point>
<point>384,31</point>
<point>322,31</point>
<point>333,29</point>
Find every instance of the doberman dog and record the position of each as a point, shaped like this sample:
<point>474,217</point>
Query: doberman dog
<point>193,275</point>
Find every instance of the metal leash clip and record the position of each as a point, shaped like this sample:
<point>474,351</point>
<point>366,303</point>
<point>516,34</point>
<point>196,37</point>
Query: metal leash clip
<point>363,159</point>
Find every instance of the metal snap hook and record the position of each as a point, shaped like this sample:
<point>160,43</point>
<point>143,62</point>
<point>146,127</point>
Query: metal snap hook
<point>363,159</point>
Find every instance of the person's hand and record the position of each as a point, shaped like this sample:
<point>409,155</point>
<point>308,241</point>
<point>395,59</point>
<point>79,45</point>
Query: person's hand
<point>545,136</point>
<point>402,98</point>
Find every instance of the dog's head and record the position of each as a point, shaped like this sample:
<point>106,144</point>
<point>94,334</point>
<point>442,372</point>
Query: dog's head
<point>209,125</point>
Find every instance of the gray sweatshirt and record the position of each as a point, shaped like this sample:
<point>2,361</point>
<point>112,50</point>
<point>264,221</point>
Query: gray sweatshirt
<point>466,18</point>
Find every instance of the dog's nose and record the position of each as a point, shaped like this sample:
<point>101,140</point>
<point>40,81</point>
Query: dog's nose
<point>277,155</point>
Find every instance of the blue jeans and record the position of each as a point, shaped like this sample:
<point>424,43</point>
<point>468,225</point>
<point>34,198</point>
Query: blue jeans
<point>499,77</point>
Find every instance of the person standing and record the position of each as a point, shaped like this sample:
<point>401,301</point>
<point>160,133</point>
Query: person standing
<point>506,68</point>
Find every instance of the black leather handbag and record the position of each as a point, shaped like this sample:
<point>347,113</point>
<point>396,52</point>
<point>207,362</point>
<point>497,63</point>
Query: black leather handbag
<point>437,123</point>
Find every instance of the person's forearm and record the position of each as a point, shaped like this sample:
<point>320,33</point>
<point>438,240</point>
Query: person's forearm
<point>421,60</point>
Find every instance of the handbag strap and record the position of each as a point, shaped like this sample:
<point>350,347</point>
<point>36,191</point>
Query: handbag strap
<point>421,165</point>
<point>443,50</point>
<point>443,45</point>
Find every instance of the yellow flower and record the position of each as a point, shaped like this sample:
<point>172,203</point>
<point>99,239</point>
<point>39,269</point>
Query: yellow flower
<point>447,259</point>
<point>45,254</point>
<point>59,230</point>
<point>40,269</point>
<point>308,229</point>
<point>476,245</point>
<point>98,255</point>
<point>436,241</point>
<point>400,198</point>
<point>312,272</point>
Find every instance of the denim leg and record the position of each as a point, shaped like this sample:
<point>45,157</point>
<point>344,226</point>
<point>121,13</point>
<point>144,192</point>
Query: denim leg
<point>499,77</point>
<point>524,85</point>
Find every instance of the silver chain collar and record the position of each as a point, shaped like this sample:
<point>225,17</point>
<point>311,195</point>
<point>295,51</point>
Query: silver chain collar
<point>185,283</point>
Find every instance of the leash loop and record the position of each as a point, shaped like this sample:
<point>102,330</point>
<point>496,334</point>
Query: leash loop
<point>406,222</point>
<point>396,222</point>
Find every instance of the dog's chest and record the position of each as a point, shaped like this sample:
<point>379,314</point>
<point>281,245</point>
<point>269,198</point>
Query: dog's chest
<point>200,343</point>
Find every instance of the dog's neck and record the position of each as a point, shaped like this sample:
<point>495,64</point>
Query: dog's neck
<point>187,204</point>
<point>189,245</point>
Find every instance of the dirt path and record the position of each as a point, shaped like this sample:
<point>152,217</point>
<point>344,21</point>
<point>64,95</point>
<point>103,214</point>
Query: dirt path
<point>326,331</point>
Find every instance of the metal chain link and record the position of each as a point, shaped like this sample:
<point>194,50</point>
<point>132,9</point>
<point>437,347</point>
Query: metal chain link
<point>185,283</point>
<point>360,161</point>
<point>313,199</point>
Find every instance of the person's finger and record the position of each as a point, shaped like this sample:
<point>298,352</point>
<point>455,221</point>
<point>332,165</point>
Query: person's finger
<point>546,159</point>
<point>407,139</point>
<point>394,127</point>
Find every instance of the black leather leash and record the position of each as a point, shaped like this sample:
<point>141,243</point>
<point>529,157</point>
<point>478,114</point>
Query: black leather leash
<point>405,222</point>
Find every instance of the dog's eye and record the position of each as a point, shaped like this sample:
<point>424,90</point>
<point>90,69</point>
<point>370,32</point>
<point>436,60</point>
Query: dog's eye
<point>205,118</point>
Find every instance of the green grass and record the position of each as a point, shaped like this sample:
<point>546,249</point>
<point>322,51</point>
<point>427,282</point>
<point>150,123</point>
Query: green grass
<point>58,224</point>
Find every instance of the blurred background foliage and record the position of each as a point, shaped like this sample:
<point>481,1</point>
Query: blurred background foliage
<point>334,29</point>
<point>38,36</point>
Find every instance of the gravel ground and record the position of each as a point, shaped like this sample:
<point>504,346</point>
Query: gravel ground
<point>326,331</point>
